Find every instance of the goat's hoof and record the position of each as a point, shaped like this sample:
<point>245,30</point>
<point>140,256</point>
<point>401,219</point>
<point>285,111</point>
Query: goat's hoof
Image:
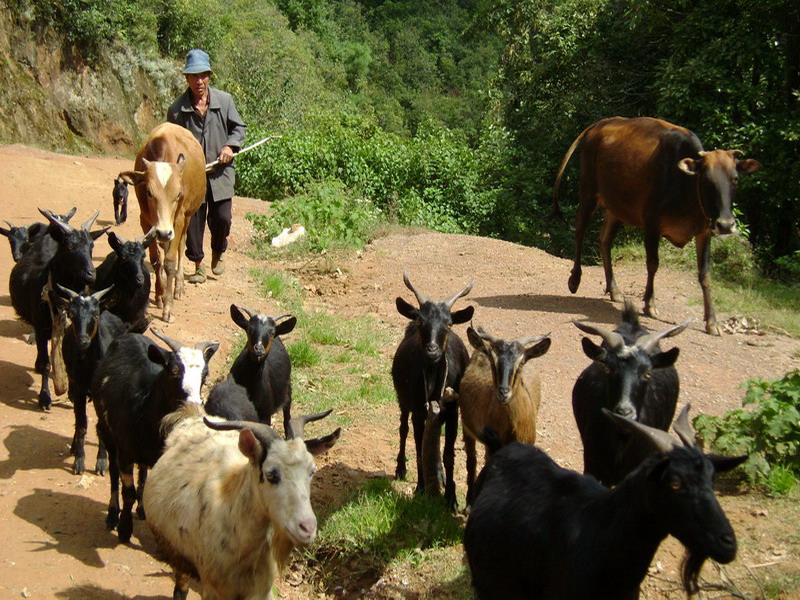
<point>125,529</point>
<point>100,467</point>
<point>112,520</point>
<point>78,467</point>
<point>45,402</point>
<point>140,512</point>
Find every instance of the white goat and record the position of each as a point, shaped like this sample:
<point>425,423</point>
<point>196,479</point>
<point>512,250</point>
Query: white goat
<point>228,507</point>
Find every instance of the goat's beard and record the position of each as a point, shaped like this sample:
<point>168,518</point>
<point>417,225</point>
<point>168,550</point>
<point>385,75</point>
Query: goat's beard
<point>690,570</point>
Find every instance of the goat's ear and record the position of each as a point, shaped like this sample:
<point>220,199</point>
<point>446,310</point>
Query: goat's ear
<point>239,317</point>
<point>286,326</point>
<point>250,446</point>
<point>158,355</point>
<point>665,359</point>
<point>97,234</point>
<point>5,232</point>
<point>132,177</point>
<point>725,463</point>
<point>539,349</point>
<point>475,339</point>
<point>406,309</point>
<point>114,242</point>
<point>592,350</point>
<point>463,315</point>
<point>208,349</point>
<point>323,444</point>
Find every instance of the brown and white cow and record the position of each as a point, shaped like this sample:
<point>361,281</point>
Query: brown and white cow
<point>170,184</point>
<point>655,176</point>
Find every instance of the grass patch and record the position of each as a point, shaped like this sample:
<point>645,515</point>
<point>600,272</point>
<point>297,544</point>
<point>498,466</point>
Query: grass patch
<point>282,288</point>
<point>378,528</point>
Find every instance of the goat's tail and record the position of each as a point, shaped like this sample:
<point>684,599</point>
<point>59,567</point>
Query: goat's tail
<point>491,439</point>
<point>556,211</point>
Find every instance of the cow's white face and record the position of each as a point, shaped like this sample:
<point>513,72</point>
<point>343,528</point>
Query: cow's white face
<point>164,188</point>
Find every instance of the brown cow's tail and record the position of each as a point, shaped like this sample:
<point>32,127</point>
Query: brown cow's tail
<point>556,211</point>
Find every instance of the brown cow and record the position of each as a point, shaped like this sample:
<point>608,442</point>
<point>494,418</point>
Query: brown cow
<point>655,176</point>
<point>170,184</point>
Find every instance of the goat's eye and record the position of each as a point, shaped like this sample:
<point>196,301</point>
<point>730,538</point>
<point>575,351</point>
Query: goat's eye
<point>676,484</point>
<point>273,476</point>
<point>607,370</point>
<point>176,370</point>
<point>646,376</point>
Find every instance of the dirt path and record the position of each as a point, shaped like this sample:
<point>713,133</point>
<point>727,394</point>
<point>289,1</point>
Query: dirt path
<point>54,544</point>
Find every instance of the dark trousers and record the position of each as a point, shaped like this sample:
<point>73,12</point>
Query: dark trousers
<point>219,218</point>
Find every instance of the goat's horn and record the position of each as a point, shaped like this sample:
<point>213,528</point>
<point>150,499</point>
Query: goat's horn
<point>70,214</point>
<point>9,223</point>
<point>146,236</point>
<point>99,295</point>
<point>660,440</point>
<point>452,299</point>
<point>88,225</point>
<point>54,220</point>
<point>612,338</point>
<point>174,345</point>
<point>264,434</point>
<point>648,342</point>
<point>71,294</point>
<point>683,429</point>
<point>421,298</point>
<point>484,335</point>
<point>297,424</point>
<point>533,340</point>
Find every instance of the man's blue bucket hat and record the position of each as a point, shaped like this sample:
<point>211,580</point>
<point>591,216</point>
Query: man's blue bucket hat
<point>197,62</point>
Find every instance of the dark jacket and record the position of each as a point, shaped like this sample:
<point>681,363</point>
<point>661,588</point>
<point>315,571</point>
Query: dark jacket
<point>222,126</point>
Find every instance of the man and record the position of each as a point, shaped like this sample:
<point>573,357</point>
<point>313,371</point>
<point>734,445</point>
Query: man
<point>211,116</point>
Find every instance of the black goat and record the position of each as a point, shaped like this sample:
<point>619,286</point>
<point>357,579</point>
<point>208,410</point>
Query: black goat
<point>135,385</point>
<point>67,262</point>
<point>120,196</point>
<point>88,332</point>
<point>631,377</point>
<point>124,268</point>
<point>229,400</point>
<point>429,359</point>
<point>23,237</point>
<point>537,531</point>
<point>263,367</point>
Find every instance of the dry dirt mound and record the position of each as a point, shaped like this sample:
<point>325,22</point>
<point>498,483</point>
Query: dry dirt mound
<point>54,541</point>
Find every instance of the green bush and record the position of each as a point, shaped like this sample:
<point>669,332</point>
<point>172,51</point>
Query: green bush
<point>331,215</point>
<point>769,432</point>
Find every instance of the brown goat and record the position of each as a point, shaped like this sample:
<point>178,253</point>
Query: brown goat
<point>496,393</point>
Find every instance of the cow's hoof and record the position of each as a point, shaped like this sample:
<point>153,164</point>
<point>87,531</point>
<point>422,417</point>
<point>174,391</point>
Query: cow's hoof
<point>712,328</point>
<point>167,317</point>
<point>616,295</point>
<point>574,281</point>
<point>651,311</point>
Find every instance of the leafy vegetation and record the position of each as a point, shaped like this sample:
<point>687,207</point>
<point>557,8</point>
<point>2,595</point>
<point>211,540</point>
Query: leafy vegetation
<point>769,432</point>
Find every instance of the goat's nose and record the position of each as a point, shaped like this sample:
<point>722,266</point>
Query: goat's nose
<point>504,394</point>
<point>725,226</point>
<point>139,279</point>
<point>308,528</point>
<point>726,548</point>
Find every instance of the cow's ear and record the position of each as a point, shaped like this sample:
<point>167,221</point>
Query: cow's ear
<point>688,166</point>
<point>181,163</point>
<point>132,177</point>
<point>747,166</point>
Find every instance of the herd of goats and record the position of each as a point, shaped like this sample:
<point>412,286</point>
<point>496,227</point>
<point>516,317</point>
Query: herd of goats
<point>228,497</point>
